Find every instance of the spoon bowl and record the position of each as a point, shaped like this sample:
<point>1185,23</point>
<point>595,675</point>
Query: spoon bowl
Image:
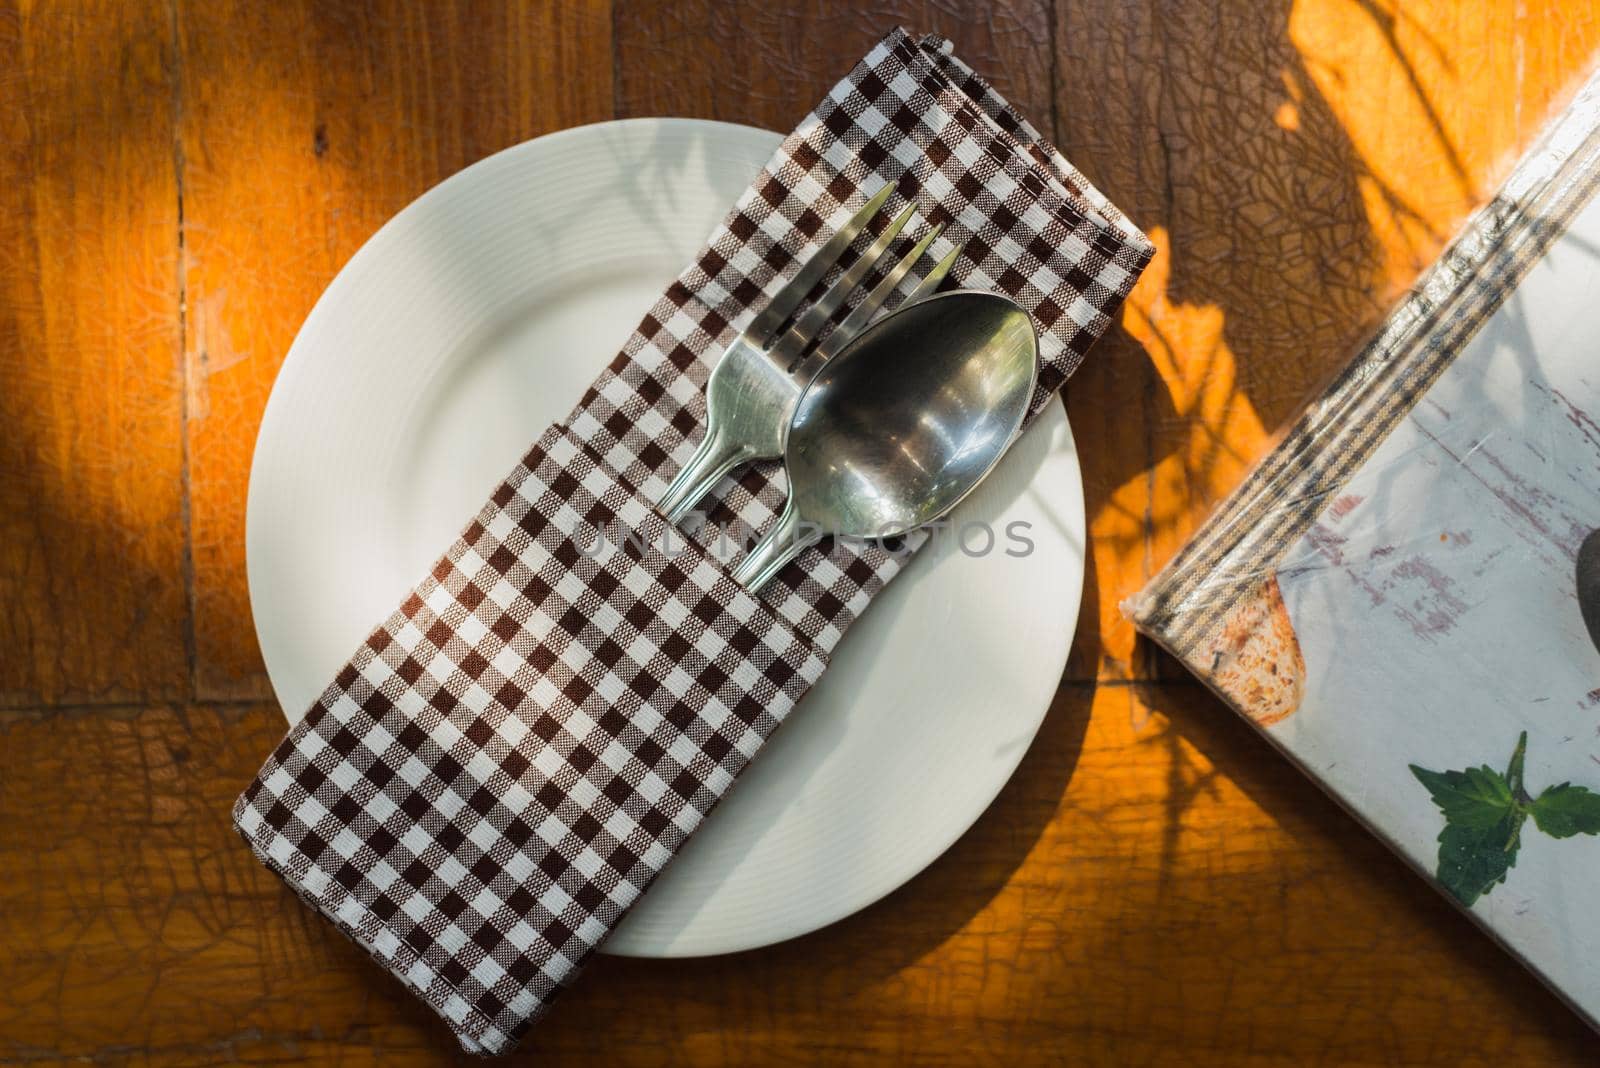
<point>903,423</point>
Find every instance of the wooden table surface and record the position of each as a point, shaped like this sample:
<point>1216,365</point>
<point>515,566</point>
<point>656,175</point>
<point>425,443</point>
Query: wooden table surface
<point>181,178</point>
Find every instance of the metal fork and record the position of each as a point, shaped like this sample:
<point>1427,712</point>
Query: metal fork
<point>753,389</point>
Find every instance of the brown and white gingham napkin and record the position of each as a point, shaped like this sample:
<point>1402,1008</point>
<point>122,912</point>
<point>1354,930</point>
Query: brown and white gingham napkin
<point>508,761</point>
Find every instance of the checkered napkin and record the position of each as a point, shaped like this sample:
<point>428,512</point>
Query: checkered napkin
<point>511,757</point>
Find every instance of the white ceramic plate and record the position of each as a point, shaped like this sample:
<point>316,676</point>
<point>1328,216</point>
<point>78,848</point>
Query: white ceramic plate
<point>476,317</point>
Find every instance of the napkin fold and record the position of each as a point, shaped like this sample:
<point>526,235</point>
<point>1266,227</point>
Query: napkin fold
<point>505,764</point>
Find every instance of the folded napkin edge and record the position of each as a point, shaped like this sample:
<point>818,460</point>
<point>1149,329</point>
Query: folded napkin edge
<point>472,1029</point>
<point>1072,185</point>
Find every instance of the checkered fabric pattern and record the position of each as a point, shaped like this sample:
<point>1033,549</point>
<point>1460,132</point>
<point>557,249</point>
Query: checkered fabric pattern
<point>511,757</point>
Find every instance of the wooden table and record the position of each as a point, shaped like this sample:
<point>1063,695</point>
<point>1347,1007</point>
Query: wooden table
<point>181,178</point>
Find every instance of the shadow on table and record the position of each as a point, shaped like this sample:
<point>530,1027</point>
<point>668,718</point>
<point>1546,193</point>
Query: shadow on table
<point>1208,745</point>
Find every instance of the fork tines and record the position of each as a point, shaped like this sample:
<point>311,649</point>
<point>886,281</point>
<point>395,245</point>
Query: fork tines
<point>789,349</point>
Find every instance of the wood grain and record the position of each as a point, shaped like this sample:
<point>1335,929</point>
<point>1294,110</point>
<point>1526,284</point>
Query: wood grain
<point>1153,885</point>
<point>767,64</point>
<point>92,557</point>
<point>304,126</point>
<point>179,182</point>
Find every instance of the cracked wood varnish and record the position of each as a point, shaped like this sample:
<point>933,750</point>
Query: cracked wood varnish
<point>180,180</point>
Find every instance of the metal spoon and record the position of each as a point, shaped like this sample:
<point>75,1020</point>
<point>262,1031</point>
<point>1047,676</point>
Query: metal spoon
<point>1589,584</point>
<point>903,423</point>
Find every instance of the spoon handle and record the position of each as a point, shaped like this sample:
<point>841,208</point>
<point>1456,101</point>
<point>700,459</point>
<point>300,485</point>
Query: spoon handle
<point>780,545</point>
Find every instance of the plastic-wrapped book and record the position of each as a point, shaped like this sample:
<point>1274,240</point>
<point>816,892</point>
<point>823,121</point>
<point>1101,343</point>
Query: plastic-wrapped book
<point>1391,594</point>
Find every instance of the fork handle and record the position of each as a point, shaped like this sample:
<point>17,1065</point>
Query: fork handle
<point>713,458</point>
<point>780,545</point>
